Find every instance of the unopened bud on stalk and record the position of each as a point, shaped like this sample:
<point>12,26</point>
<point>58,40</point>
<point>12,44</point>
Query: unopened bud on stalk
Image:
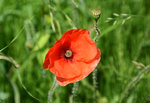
<point>96,13</point>
<point>29,44</point>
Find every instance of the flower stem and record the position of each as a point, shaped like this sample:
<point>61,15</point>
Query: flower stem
<point>51,91</point>
<point>74,91</point>
<point>97,31</point>
<point>95,85</point>
<point>95,71</point>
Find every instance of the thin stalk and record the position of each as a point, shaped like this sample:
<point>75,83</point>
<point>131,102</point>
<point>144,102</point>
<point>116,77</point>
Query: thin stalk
<point>74,91</point>
<point>133,82</point>
<point>74,3</point>
<point>95,71</point>
<point>95,84</point>
<point>51,91</point>
<point>97,31</point>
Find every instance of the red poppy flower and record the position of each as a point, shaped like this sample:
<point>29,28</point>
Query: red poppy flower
<point>73,57</point>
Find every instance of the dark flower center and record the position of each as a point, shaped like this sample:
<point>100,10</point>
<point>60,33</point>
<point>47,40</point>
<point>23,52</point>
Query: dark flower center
<point>68,53</point>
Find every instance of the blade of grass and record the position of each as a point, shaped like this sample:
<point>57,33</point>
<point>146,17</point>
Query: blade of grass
<point>70,21</point>
<point>20,80</point>
<point>10,59</point>
<point>16,91</point>
<point>133,82</point>
<point>18,34</point>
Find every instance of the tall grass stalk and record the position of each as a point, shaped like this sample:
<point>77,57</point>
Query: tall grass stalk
<point>133,82</point>
<point>18,34</point>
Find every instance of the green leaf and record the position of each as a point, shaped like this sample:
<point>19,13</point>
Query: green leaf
<point>42,42</point>
<point>16,91</point>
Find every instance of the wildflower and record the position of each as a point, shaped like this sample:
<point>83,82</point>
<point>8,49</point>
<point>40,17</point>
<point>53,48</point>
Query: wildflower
<point>73,57</point>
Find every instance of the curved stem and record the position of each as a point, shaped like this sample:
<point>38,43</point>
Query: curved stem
<point>97,31</point>
<point>133,82</point>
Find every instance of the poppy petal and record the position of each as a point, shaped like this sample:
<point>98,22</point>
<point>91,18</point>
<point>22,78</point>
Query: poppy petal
<point>54,55</point>
<point>83,46</point>
<point>65,68</point>
<point>58,51</point>
<point>86,70</point>
<point>46,61</point>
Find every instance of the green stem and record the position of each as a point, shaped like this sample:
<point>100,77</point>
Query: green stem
<point>133,82</point>
<point>51,91</point>
<point>97,31</point>
<point>95,71</point>
<point>95,85</point>
<point>74,91</point>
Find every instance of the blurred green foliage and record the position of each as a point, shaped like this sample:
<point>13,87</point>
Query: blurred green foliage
<point>30,27</point>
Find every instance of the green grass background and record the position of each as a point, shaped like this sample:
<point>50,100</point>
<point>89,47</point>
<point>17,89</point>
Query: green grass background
<point>35,25</point>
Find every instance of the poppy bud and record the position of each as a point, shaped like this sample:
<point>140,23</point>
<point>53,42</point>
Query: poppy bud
<point>96,13</point>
